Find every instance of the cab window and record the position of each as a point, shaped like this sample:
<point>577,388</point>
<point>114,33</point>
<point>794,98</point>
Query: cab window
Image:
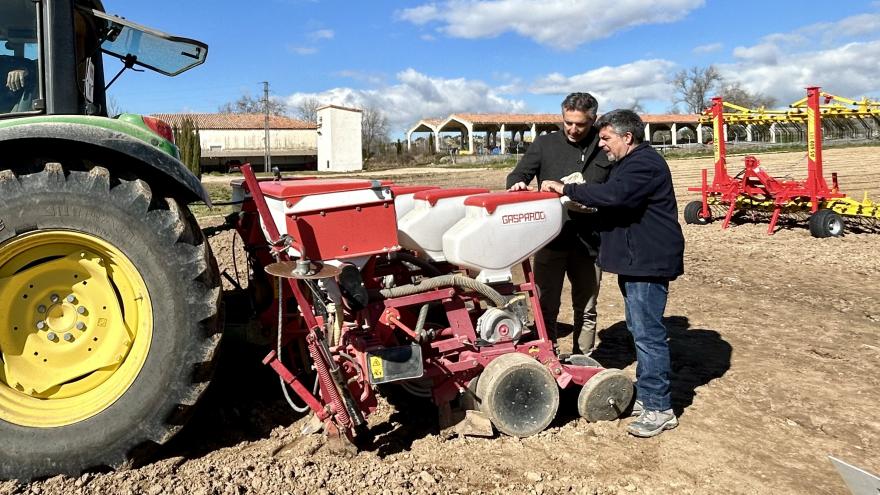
<point>19,56</point>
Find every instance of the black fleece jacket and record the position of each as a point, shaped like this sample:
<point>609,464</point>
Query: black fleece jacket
<point>552,157</point>
<point>641,236</point>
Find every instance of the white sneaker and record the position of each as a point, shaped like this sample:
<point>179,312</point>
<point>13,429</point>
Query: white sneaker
<point>638,409</point>
<point>652,423</point>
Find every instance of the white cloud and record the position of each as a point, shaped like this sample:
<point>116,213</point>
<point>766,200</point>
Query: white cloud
<point>321,34</point>
<point>564,24</point>
<point>843,57</point>
<point>373,78</point>
<point>851,70</point>
<point>615,86</point>
<point>709,48</point>
<point>302,50</point>
<point>857,25</point>
<point>765,53</point>
<point>416,96</point>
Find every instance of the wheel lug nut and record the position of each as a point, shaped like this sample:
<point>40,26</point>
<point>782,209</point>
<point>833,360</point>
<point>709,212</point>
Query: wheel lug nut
<point>81,310</point>
<point>80,325</point>
<point>41,309</point>
<point>70,298</point>
<point>68,337</point>
<point>51,336</point>
<point>41,325</point>
<point>54,298</point>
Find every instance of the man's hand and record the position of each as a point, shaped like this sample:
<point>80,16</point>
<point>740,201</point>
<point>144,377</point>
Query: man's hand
<point>521,186</point>
<point>16,79</point>
<point>552,186</point>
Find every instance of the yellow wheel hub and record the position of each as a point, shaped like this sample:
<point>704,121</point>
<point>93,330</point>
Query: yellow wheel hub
<point>75,327</point>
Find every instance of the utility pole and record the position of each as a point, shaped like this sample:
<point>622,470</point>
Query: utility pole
<point>268,158</point>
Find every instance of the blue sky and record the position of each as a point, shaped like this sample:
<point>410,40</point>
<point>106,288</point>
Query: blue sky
<point>422,59</point>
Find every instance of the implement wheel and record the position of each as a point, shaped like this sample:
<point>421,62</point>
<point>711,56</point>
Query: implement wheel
<point>518,394</point>
<point>826,223</point>
<point>692,212</point>
<point>605,396</point>
<point>109,303</point>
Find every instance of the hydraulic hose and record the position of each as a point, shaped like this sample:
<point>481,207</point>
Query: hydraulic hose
<point>453,279</point>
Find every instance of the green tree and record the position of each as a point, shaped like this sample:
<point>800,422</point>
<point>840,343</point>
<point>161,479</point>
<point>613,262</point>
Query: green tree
<point>187,138</point>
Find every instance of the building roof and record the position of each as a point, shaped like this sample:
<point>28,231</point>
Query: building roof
<point>350,109</point>
<point>542,118</point>
<point>668,118</point>
<point>508,118</point>
<point>234,121</point>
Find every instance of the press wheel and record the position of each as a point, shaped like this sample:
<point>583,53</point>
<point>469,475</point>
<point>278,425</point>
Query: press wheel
<point>605,396</point>
<point>518,394</point>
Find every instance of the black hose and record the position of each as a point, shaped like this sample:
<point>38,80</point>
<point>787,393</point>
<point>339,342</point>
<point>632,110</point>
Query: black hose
<point>426,267</point>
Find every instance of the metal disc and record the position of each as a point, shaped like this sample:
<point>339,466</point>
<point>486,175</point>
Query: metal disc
<point>605,396</point>
<point>316,270</point>
<point>582,360</point>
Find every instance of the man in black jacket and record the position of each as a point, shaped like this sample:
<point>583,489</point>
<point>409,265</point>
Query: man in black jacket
<point>642,243</point>
<point>573,252</point>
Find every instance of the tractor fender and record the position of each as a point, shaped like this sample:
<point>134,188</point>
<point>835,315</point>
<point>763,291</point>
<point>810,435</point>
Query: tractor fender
<point>59,140</point>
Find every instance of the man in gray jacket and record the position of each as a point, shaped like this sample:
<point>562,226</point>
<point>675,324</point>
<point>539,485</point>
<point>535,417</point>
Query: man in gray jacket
<point>573,252</point>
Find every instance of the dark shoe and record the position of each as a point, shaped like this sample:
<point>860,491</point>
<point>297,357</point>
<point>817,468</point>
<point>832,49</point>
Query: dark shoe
<point>652,423</point>
<point>638,409</point>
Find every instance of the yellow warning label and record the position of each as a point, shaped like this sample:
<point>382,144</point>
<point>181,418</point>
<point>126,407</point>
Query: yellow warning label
<point>718,134</point>
<point>376,368</point>
<point>811,134</point>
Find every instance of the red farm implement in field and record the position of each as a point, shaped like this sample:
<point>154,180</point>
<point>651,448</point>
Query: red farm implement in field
<point>754,189</point>
<point>379,286</point>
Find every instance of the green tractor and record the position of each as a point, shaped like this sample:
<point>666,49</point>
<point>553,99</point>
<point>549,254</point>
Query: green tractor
<point>109,293</point>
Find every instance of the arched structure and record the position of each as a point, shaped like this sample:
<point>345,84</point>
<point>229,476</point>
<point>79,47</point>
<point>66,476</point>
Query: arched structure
<point>672,123</point>
<point>425,125</point>
<point>503,130</point>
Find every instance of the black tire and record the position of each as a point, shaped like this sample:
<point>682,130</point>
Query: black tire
<point>692,212</point>
<point>165,246</point>
<point>826,223</point>
<point>518,394</point>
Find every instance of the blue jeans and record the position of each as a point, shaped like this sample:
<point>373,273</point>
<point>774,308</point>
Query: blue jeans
<point>645,302</point>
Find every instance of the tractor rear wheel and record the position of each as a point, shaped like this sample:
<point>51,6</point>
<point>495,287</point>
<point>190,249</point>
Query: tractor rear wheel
<point>826,223</point>
<point>109,320</point>
<point>518,394</point>
<point>692,212</point>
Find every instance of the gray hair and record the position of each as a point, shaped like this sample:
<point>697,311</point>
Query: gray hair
<point>623,121</point>
<point>581,102</point>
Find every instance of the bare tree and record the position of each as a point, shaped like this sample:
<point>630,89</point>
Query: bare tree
<point>114,108</point>
<point>374,128</point>
<point>307,109</point>
<point>693,87</point>
<point>734,93</point>
<point>249,104</point>
<point>637,106</point>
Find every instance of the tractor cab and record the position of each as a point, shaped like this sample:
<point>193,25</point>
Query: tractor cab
<point>45,67</point>
<point>19,56</point>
